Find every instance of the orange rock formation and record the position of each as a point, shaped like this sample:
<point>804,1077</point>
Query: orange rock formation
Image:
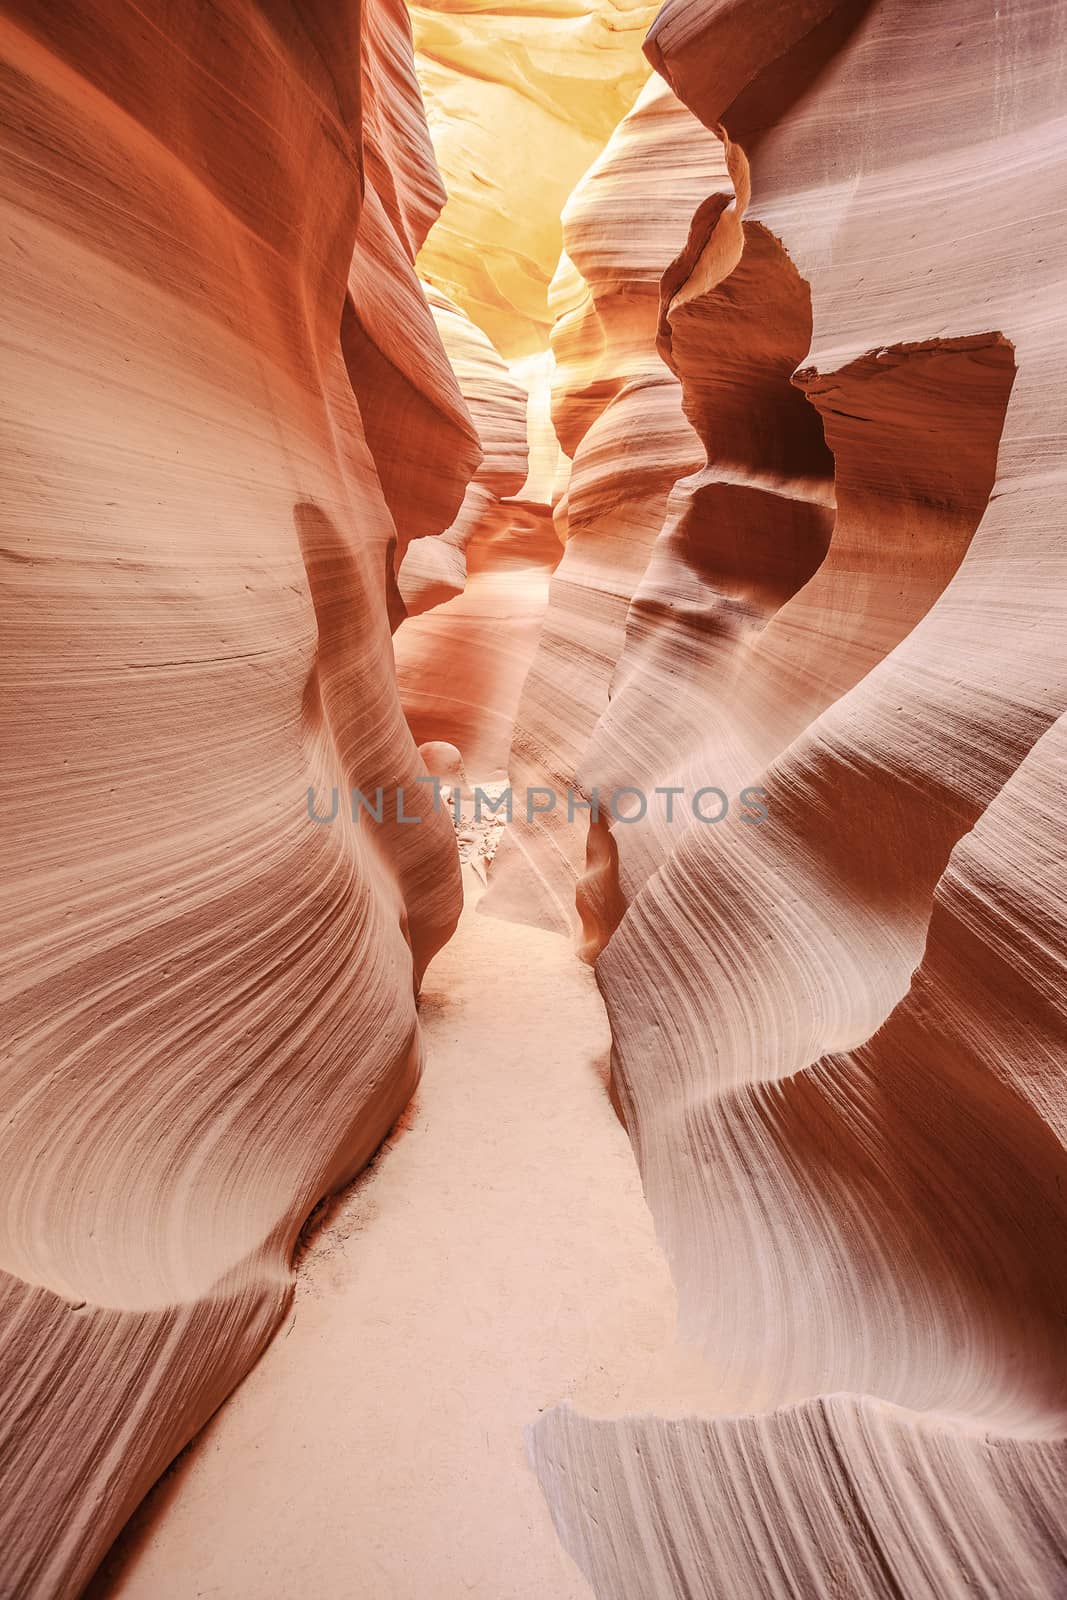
<point>278,510</point>
<point>476,593</point>
<point>618,413</point>
<point>834,1032</point>
<point>520,101</point>
<point>227,406</point>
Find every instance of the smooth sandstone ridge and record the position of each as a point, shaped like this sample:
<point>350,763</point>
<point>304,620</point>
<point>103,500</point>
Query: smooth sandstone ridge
<point>227,411</point>
<point>839,1034</point>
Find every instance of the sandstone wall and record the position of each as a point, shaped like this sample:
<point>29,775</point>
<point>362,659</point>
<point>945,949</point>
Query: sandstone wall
<point>216,340</point>
<point>836,1033</point>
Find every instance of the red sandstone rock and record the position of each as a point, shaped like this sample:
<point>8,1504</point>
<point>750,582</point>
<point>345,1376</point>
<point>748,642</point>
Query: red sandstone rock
<point>809,393</point>
<point>834,1033</point>
<point>617,411</point>
<point>208,1002</point>
<point>476,593</point>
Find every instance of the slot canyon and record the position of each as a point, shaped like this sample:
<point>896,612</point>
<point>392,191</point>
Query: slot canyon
<point>534,578</point>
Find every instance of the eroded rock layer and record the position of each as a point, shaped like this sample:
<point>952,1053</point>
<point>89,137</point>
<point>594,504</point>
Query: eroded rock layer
<point>809,395</point>
<point>209,999</point>
<point>839,1031</point>
<point>617,411</point>
<point>475,594</point>
<point>520,101</point>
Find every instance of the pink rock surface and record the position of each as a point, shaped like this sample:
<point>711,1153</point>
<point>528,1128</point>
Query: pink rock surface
<point>476,593</point>
<point>209,1000</point>
<point>617,412</point>
<point>275,514</point>
<point>834,1032</point>
<point>434,569</point>
<point>461,667</point>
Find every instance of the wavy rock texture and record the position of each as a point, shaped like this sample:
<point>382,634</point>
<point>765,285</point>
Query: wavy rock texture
<point>208,1002</point>
<point>434,569</point>
<point>838,1035</point>
<point>810,402</point>
<point>618,414</point>
<point>476,593</point>
<point>520,101</point>
<point>461,666</point>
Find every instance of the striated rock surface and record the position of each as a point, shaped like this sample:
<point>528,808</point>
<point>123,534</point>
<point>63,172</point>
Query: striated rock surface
<point>520,101</point>
<point>918,1284</point>
<point>476,593</point>
<point>519,104</point>
<point>434,568</point>
<point>208,1003</point>
<point>272,507</point>
<point>618,414</point>
<point>461,666</point>
<point>839,1032</point>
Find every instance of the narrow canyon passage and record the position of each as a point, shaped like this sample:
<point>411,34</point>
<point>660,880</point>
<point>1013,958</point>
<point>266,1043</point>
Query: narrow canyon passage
<point>655,413</point>
<point>496,1258</point>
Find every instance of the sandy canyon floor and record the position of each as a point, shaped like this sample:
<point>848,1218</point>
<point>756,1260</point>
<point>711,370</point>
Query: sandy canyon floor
<point>496,1258</point>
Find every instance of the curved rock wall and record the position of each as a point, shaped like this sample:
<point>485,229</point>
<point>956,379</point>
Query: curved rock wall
<point>519,104</point>
<point>809,396</point>
<point>618,414</point>
<point>520,101</point>
<point>476,593</point>
<point>835,1030</point>
<point>208,1002</point>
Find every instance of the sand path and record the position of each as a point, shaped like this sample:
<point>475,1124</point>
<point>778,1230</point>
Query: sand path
<point>496,1258</point>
